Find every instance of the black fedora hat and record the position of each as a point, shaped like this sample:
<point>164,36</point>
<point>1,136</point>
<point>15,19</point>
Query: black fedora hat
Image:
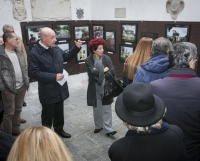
<point>137,105</point>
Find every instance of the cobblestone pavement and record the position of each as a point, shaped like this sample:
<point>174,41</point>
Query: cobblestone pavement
<point>84,145</point>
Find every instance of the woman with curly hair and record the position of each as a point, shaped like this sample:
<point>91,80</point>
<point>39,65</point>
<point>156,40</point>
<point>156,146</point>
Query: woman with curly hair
<point>98,65</point>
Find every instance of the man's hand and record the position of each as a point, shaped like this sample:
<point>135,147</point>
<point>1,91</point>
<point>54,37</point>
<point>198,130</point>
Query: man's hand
<point>59,76</point>
<point>106,69</point>
<point>78,43</point>
<point>192,63</point>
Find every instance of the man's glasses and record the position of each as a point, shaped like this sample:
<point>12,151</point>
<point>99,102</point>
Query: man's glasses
<point>196,58</point>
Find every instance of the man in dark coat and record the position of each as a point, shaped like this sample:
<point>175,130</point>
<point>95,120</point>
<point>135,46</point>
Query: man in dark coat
<point>46,66</point>
<point>148,137</point>
<point>181,95</point>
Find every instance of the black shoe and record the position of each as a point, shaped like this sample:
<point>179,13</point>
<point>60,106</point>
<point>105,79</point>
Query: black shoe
<point>64,134</point>
<point>24,104</point>
<point>97,130</point>
<point>112,133</point>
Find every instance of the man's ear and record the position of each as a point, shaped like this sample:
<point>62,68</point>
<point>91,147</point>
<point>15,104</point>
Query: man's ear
<point>167,51</point>
<point>8,39</point>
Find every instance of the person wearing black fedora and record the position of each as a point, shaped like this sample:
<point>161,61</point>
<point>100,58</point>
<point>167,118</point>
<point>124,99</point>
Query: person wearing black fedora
<point>148,137</point>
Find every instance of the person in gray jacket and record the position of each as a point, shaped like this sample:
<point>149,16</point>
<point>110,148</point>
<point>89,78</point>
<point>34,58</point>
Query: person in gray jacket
<point>98,65</point>
<point>13,82</point>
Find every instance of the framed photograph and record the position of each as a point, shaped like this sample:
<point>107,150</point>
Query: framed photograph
<point>63,31</point>
<point>125,51</point>
<point>32,33</point>
<point>64,46</point>
<point>98,31</point>
<point>82,33</point>
<point>83,53</point>
<point>110,41</point>
<point>149,35</point>
<point>177,33</point>
<point>129,32</point>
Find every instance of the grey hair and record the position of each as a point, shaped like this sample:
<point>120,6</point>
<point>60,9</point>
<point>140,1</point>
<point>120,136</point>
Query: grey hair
<point>161,45</point>
<point>6,26</point>
<point>156,125</point>
<point>183,53</point>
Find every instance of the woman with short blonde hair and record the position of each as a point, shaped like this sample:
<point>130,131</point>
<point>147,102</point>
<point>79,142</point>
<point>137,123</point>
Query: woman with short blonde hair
<point>39,144</point>
<point>141,54</point>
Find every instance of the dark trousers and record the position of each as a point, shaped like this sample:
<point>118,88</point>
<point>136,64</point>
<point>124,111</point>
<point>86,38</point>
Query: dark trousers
<point>53,114</point>
<point>12,105</point>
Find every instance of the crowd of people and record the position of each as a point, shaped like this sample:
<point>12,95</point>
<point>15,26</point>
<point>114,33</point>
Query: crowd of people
<point>159,104</point>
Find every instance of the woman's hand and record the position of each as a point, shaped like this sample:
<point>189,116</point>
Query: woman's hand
<point>106,69</point>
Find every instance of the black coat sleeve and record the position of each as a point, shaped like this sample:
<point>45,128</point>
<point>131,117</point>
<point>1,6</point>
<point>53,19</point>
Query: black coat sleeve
<point>68,56</point>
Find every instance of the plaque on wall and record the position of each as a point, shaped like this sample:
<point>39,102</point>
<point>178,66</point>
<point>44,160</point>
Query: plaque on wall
<point>50,10</point>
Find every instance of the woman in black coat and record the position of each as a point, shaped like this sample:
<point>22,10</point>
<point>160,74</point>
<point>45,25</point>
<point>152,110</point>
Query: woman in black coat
<point>98,65</point>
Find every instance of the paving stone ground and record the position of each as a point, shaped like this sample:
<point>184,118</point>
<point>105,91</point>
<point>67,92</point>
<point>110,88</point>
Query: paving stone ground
<point>84,145</point>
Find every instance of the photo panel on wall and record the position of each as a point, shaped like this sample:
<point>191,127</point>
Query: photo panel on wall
<point>83,53</point>
<point>33,33</point>
<point>177,33</point>
<point>82,33</point>
<point>62,31</point>
<point>129,32</point>
<point>110,41</point>
<point>98,31</point>
<point>125,51</point>
<point>149,35</point>
<point>64,46</point>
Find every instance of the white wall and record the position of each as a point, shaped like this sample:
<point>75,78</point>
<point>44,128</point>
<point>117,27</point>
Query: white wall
<point>146,10</point>
<point>7,15</point>
<point>83,4</point>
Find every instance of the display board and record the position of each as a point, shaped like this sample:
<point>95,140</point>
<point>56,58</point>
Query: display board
<point>159,29</point>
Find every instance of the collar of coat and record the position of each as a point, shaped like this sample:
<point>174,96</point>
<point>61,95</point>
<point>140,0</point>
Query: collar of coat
<point>3,53</point>
<point>181,71</point>
<point>40,49</point>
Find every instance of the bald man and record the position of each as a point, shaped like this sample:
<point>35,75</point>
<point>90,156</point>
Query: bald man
<point>46,66</point>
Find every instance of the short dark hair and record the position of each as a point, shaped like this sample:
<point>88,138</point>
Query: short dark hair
<point>7,35</point>
<point>94,43</point>
<point>161,45</point>
<point>183,53</point>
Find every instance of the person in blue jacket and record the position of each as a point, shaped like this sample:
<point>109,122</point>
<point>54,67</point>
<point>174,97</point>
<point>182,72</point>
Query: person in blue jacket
<point>46,66</point>
<point>156,67</point>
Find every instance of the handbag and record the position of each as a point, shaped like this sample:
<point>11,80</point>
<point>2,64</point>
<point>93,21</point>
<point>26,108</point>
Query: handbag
<point>112,87</point>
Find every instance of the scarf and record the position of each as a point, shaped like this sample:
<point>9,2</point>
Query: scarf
<point>99,66</point>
